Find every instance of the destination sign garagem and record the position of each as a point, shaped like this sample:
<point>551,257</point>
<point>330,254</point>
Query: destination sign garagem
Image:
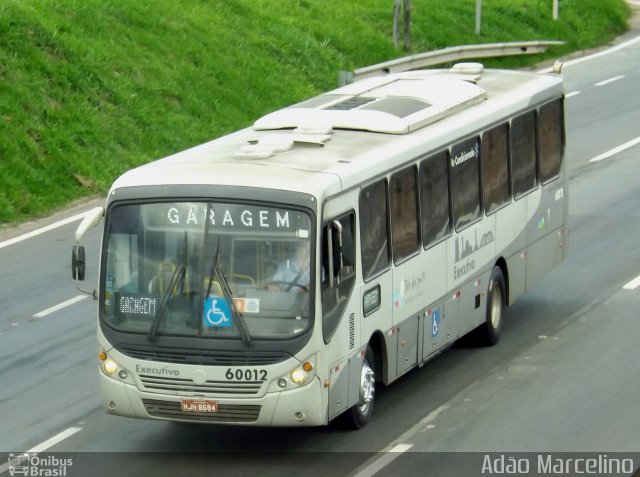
<point>231,216</point>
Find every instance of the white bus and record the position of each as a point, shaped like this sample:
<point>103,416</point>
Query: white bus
<point>275,276</point>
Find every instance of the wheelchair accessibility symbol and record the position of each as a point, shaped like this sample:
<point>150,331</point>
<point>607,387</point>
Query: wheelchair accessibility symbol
<point>435,323</point>
<point>217,312</point>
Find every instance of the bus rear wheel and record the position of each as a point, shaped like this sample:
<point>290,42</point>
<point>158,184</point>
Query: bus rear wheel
<point>360,413</point>
<point>489,332</point>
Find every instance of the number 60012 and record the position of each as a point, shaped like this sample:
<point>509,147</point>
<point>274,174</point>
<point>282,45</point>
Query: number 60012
<point>246,374</point>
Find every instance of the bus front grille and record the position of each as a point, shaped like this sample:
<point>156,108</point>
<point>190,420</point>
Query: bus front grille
<point>226,412</point>
<point>202,357</point>
<point>172,385</point>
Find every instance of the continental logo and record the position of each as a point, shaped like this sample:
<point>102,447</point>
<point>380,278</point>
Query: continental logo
<point>466,155</point>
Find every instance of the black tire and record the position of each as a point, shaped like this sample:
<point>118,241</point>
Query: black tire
<point>359,414</point>
<point>489,332</point>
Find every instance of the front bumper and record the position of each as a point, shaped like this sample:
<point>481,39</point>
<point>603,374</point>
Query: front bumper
<point>296,407</point>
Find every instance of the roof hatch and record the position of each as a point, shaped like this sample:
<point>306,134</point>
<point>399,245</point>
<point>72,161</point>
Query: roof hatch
<point>395,104</point>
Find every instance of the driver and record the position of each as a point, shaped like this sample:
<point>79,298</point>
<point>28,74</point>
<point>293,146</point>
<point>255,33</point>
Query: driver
<point>293,272</point>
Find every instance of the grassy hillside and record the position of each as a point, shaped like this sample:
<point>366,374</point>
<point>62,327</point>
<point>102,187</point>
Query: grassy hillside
<point>91,88</point>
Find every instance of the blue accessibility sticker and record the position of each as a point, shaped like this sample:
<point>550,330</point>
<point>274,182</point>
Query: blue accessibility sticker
<point>217,312</point>
<point>435,323</point>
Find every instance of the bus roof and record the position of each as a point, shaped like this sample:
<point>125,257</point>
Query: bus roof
<point>355,133</point>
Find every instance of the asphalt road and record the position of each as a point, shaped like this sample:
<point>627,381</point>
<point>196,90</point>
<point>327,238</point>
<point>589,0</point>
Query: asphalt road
<point>564,378</point>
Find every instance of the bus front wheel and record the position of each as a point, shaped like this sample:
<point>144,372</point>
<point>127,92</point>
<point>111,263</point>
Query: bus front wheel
<point>360,413</point>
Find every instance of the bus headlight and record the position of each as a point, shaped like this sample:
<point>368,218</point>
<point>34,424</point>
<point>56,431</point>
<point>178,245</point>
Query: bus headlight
<point>299,376</point>
<point>111,368</point>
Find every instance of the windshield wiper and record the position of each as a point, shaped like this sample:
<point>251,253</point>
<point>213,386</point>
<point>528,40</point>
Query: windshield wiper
<point>177,279</point>
<point>228,296</point>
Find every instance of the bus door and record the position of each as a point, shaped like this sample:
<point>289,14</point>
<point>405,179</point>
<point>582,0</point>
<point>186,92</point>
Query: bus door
<point>340,311</point>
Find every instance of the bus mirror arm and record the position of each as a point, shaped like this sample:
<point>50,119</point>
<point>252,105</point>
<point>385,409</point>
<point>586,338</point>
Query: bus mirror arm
<point>93,218</point>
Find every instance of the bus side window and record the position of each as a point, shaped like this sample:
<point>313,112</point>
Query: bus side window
<point>374,227</point>
<point>434,198</point>
<point>495,167</point>
<point>523,153</point>
<point>465,182</point>
<point>551,139</point>
<point>403,197</point>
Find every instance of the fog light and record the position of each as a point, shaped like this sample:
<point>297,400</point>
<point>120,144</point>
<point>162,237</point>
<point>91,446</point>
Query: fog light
<point>122,374</point>
<point>282,382</point>
<point>110,366</point>
<point>298,376</point>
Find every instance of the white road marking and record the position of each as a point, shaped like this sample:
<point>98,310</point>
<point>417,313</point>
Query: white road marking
<point>616,150</point>
<point>610,80</point>
<point>608,51</point>
<point>423,424</point>
<point>42,230</point>
<point>46,444</point>
<point>400,445</point>
<point>572,94</point>
<point>382,461</point>
<point>60,306</point>
<point>55,439</point>
<point>633,284</point>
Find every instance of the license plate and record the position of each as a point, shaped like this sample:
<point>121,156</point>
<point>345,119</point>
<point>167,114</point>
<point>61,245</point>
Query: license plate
<point>195,405</point>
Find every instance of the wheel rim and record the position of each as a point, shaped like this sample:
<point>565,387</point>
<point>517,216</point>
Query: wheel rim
<point>367,388</point>
<point>496,305</point>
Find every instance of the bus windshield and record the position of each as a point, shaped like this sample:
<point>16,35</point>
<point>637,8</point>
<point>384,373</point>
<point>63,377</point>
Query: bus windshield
<point>210,270</point>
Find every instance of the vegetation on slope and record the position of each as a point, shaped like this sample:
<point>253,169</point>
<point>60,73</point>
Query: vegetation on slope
<point>91,88</point>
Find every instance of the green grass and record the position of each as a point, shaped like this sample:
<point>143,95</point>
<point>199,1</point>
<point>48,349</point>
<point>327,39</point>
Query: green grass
<point>91,88</point>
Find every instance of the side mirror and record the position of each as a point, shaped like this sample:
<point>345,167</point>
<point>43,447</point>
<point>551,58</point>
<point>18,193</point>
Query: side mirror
<point>77,262</point>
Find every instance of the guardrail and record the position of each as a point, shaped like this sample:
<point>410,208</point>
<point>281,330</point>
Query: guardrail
<point>447,55</point>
